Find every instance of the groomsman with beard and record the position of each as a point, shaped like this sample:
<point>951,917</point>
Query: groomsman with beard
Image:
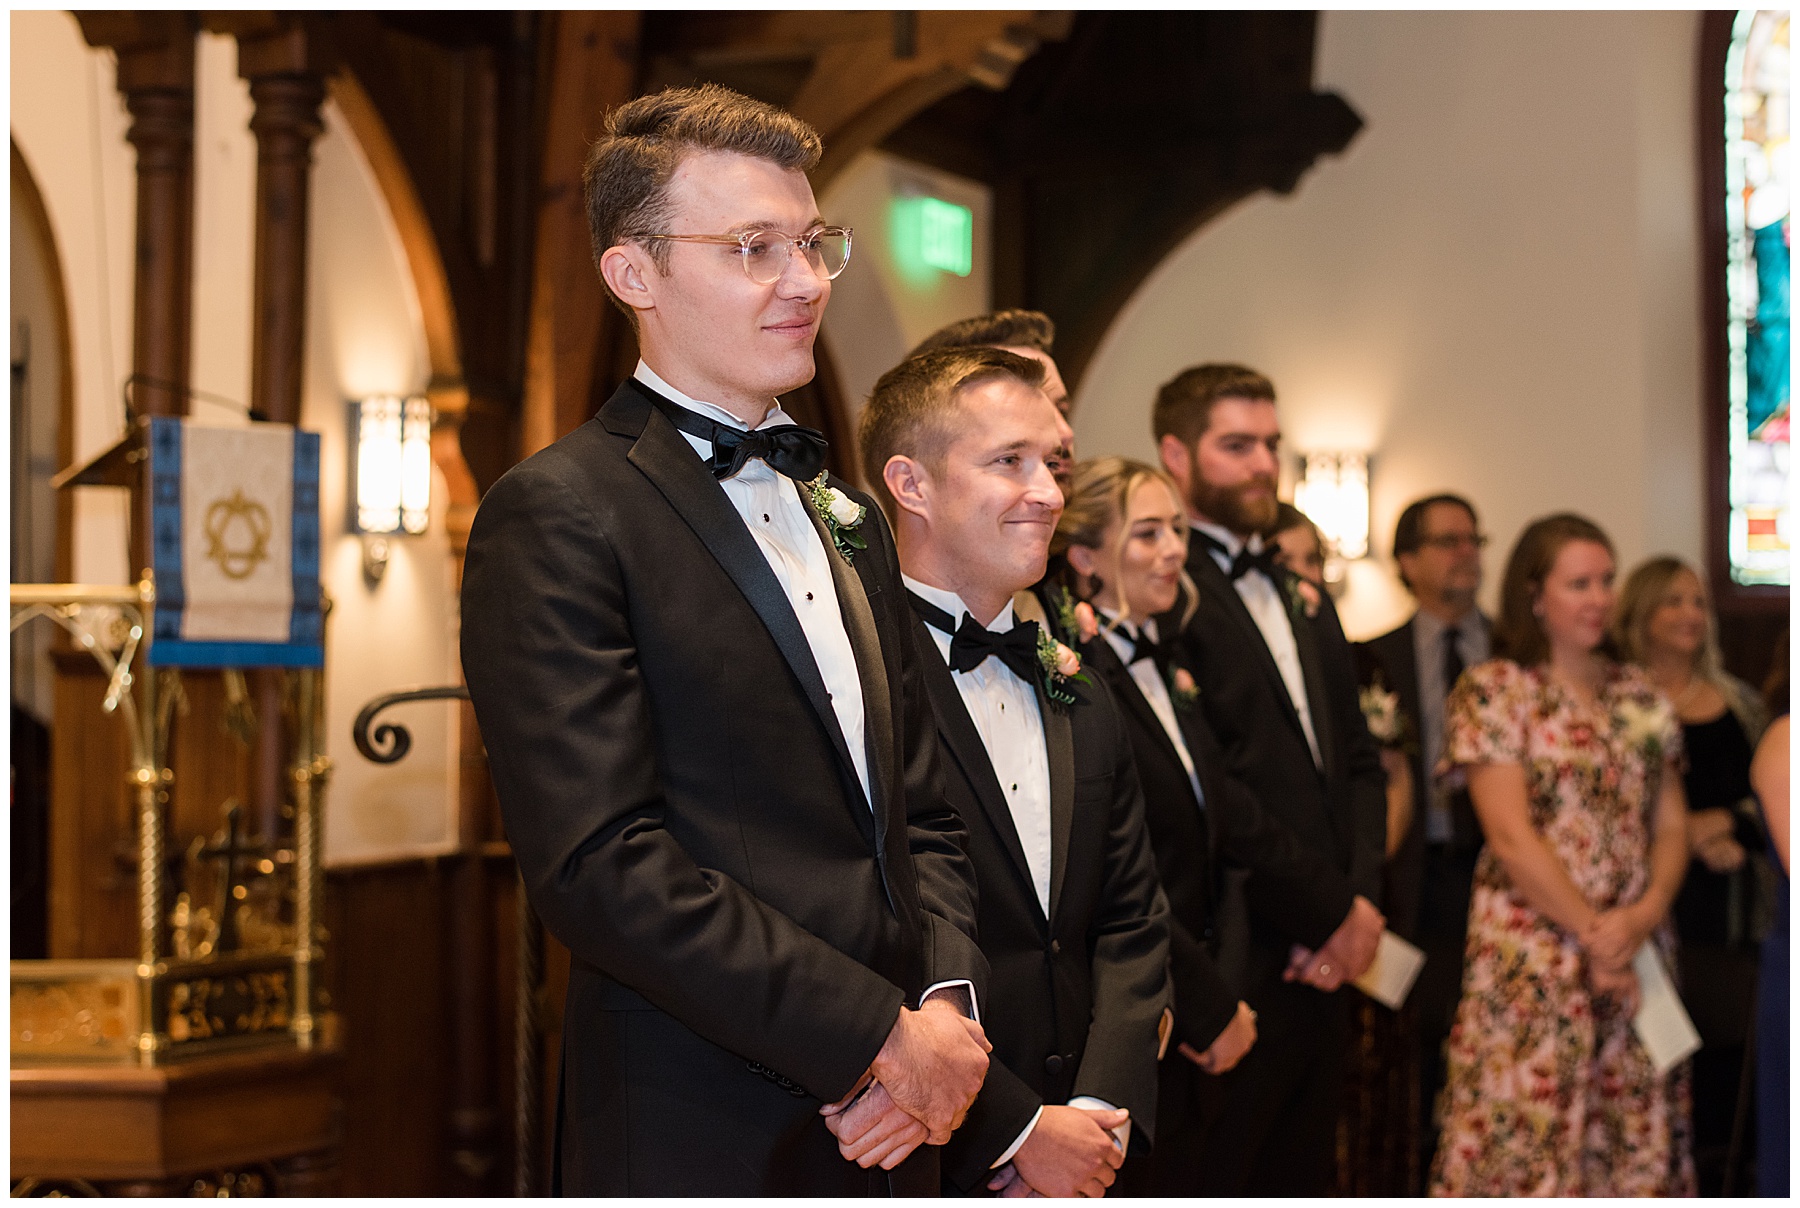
<point>694,667</point>
<point>1278,687</point>
<point>960,443</point>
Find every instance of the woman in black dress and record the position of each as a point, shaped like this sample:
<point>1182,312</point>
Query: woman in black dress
<point>1665,624</point>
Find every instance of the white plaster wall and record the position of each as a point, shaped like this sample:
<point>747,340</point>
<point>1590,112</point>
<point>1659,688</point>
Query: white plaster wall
<point>1495,289</point>
<point>69,123</point>
<point>877,313</point>
<point>364,336</point>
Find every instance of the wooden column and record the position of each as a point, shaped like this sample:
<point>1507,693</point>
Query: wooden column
<point>287,84</point>
<point>156,76</point>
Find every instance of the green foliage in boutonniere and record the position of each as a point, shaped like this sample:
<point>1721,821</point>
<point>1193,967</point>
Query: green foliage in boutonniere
<point>1301,596</point>
<point>1062,603</point>
<point>842,515</point>
<point>1058,667</point>
<point>1184,693</point>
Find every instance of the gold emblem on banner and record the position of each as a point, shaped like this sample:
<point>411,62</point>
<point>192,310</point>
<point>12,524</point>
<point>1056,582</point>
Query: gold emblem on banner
<point>237,534</point>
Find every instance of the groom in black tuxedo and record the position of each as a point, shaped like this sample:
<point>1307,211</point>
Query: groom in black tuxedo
<point>1278,686</point>
<point>962,443</point>
<point>692,660</point>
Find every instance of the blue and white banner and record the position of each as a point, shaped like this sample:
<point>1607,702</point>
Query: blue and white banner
<point>234,516</point>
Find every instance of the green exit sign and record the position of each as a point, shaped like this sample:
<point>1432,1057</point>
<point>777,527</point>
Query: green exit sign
<point>933,234</point>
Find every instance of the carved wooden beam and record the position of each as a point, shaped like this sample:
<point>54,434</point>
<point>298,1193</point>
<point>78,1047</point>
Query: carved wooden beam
<point>593,67</point>
<point>156,75</point>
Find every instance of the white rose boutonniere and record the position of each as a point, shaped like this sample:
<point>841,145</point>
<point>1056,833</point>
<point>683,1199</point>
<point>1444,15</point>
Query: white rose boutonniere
<point>842,516</point>
<point>1645,724</point>
<point>1381,710</point>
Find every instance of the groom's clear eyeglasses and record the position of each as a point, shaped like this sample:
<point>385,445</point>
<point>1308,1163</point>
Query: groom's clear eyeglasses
<point>765,254</point>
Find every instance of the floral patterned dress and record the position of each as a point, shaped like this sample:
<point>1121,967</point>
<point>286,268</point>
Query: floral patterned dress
<point>1549,1090</point>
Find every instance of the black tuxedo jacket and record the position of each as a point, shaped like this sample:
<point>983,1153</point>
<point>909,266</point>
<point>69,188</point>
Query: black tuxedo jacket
<point>1393,658</point>
<point>1073,1001</point>
<point>1199,850</point>
<point>1338,812</point>
<point>744,924</point>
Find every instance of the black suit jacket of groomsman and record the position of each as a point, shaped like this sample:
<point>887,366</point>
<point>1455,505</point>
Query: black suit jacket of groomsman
<point>1074,1000</point>
<point>1338,811</point>
<point>1200,851</point>
<point>675,784</point>
<point>1275,1136</point>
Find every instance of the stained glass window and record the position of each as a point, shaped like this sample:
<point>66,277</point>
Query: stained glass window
<point>1758,175</point>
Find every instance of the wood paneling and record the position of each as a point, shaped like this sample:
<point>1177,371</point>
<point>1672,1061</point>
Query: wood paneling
<point>206,1114</point>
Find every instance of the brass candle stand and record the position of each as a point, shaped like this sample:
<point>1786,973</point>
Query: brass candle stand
<point>161,1007</point>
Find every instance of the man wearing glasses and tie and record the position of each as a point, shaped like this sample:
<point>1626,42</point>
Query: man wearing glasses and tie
<point>690,654</point>
<point>1438,544</point>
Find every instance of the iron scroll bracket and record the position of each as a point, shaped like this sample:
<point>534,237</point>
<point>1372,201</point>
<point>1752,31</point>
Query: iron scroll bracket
<point>389,742</point>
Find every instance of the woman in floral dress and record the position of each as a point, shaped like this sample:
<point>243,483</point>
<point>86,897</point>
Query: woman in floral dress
<point>1571,761</point>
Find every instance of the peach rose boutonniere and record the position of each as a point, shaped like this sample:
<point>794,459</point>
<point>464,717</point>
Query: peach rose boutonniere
<point>1184,693</point>
<point>1059,667</point>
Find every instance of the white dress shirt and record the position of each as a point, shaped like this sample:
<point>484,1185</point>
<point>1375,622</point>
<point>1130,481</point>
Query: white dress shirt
<point>1004,709</point>
<point>1269,611</point>
<point>782,525</point>
<point>1122,636</point>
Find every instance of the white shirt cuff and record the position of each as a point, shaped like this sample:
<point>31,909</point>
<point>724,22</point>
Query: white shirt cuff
<point>1121,1134</point>
<point>1019,1140</point>
<point>959,993</point>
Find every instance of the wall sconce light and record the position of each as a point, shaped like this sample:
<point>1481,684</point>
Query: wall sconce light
<point>1334,491</point>
<point>390,447</point>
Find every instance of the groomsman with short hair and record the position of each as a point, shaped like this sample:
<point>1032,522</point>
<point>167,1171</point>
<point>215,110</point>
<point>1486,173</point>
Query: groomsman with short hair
<point>959,444</point>
<point>693,664</point>
<point>1278,686</point>
<point>1032,335</point>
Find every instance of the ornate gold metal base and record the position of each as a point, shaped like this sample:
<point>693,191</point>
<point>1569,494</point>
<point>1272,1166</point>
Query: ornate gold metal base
<point>115,1012</point>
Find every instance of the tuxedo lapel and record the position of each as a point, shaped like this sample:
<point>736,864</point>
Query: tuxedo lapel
<point>1106,661</point>
<point>1205,572</point>
<point>871,672</point>
<point>669,462</point>
<point>1312,674</point>
<point>1059,745</point>
<point>970,753</point>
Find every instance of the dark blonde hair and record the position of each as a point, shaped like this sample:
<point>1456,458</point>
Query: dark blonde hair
<point>1518,634</point>
<point>1644,591</point>
<point>1185,402</point>
<point>1098,500</point>
<point>1001,329</point>
<point>911,409</point>
<point>629,168</point>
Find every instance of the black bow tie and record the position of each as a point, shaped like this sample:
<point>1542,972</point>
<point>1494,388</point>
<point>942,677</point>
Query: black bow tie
<point>788,448</point>
<point>1144,647</point>
<point>1243,562</point>
<point>972,644</point>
